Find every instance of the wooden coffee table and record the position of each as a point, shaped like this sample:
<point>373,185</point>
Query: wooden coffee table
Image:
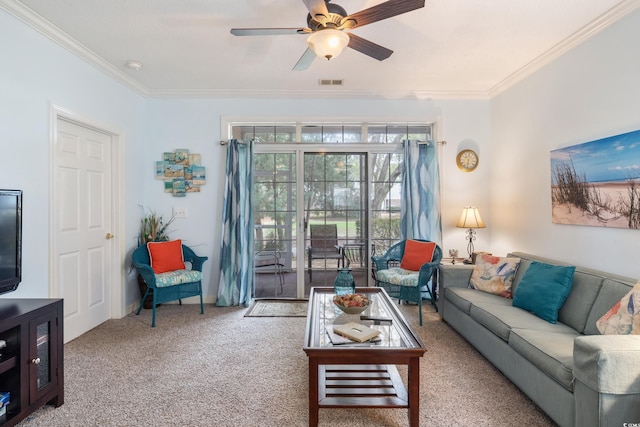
<point>361,375</point>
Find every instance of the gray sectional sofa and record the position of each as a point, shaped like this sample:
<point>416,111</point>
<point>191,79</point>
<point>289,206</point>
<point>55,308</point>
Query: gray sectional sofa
<point>574,374</point>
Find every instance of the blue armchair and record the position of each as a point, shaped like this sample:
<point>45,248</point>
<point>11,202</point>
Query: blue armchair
<point>406,285</point>
<point>172,285</point>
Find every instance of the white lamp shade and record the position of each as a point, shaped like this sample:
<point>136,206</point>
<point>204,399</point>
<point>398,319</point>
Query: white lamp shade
<point>328,43</point>
<point>470,219</point>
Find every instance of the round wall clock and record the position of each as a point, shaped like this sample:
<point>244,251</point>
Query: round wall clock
<point>467,160</point>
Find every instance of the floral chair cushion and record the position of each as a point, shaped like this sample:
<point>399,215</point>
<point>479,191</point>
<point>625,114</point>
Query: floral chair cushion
<point>398,276</point>
<point>177,277</point>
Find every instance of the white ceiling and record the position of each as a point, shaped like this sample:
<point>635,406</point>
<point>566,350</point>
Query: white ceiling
<point>449,48</point>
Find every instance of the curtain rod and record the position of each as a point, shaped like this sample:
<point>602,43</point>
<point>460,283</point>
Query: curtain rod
<point>421,142</point>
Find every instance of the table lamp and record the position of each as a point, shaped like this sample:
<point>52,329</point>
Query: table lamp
<point>470,219</point>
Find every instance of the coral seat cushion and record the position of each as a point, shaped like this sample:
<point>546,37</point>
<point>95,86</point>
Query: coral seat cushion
<point>416,254</point>
<point>166,256</point>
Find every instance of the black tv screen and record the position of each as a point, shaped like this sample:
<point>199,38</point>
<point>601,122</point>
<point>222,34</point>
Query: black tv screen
<point>10,240</point>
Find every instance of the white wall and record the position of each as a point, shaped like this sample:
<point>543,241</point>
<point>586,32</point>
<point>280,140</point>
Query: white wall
<point>591,92</point>
<point>36,73</point>
<point>195,124</point>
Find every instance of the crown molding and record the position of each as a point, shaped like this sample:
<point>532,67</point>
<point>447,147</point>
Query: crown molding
<point>317,94</point>
<point>46,28</point>
<point>591,29</point>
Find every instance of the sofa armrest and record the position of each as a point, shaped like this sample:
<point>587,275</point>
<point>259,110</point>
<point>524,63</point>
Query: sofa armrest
<point>451,276</point>
<point>608,363</point>
<point>454,276</point>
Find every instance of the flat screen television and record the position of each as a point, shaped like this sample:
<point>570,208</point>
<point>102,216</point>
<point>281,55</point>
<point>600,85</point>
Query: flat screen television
<point>10,240</point>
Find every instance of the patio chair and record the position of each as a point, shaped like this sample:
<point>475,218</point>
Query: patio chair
<point>166,274</point>
<point>268,261</point>
<point>323,244</point>
<point>407,280</point>
<point>354,253</point>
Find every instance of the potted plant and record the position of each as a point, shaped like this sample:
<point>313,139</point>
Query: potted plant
<point>153,228</point>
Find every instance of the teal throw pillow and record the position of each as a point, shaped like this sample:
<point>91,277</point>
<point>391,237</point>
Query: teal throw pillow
<point>544,289</point>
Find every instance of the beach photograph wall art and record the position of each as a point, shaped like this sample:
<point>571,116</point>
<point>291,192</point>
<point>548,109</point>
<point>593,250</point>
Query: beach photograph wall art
<point>597,183</point>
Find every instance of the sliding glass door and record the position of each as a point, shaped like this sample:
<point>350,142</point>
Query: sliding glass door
<point>275,225</point>
<point>326,196</point>
<point>335,217</point>
<point>329,233</point>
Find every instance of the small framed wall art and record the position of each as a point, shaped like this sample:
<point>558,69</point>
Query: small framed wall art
<point>182,172</point>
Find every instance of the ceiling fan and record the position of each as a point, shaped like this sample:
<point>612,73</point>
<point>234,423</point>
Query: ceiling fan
<point>326,24</point>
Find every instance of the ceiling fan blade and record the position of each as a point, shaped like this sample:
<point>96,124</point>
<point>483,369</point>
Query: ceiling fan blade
<point>368,48</point>
<point>317,9</point>
<point>381,11</point>
<point>268,31</point>
<point>305,60</point>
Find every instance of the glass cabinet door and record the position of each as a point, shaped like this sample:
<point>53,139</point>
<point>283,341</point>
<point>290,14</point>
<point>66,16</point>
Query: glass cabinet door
<point>42,340</point>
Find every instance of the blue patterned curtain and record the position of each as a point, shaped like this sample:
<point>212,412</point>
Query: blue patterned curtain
<point>236,267</point>
<point>420,211</point>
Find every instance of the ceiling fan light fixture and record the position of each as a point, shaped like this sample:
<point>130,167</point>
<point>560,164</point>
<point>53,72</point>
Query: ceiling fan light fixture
<point>328,43</point>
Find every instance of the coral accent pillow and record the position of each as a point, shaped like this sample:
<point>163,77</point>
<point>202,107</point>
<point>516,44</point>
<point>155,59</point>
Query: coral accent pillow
<point>166,256</point>
<point>494,275</point>
<point>543,289</point>
<point>416,254</point>
<point>624,317</point>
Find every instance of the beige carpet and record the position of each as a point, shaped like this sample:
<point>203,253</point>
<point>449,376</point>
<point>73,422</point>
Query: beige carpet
<point>225,370</point>
<point>278,309</point>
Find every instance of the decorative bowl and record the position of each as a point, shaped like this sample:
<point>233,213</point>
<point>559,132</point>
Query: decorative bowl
<point>352,303</point>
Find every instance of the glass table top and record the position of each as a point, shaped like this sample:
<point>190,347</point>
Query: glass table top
<point>381,315</point>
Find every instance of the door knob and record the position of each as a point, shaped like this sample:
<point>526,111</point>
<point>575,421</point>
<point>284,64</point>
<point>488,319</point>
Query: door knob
<point>109,236</point>
<point>35,361</point>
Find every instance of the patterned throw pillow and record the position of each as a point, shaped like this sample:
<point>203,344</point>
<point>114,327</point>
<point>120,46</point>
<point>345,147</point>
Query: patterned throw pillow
<point>624,317</point>
<point>494,275</point>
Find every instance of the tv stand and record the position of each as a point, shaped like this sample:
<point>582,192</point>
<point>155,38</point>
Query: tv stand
<point>31,366</point>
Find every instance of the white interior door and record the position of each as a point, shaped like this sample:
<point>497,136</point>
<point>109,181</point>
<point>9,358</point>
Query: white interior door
<point>83,225</point>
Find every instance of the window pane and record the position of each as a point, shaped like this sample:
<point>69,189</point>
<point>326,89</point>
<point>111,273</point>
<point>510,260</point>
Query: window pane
<point>396,134</point>
<point>242,133</point>
<point>285,133</point>
<point>385,200</point>
<point>419,133</point>
<point>265,134</point>
<point>332,133</point>
<point>352,133</point>
<point>311,133</point>
<point>284,196</point>
<point>377,134</point>
<point>264,163</point>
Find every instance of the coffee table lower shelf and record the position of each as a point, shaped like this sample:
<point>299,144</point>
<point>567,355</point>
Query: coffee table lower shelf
<point>341,386</point>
